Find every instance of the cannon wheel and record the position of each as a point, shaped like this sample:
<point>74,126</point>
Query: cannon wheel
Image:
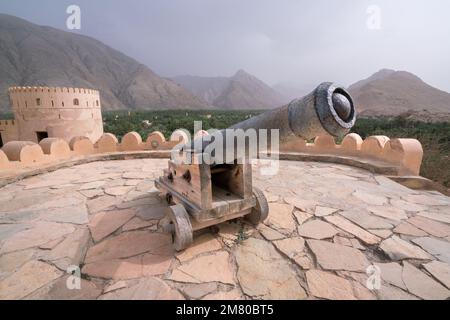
<point>182,234</point>
<point>261,210</point>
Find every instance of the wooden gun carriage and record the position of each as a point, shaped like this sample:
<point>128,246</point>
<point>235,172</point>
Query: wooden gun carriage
<point>202,194</point>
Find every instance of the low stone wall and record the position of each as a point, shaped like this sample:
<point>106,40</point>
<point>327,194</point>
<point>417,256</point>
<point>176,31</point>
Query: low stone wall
<point>406,154</point>
<point>398,157</point>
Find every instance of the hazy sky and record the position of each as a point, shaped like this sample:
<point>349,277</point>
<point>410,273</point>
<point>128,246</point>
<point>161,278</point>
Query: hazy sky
<point>289,41</point>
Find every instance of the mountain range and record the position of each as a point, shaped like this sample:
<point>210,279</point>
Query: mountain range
<point>392,93</point>
<point>240,91</point>
<point>32,55</point>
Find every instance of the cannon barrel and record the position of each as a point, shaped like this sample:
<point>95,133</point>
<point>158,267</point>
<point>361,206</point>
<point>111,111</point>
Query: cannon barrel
<point>328,109</point>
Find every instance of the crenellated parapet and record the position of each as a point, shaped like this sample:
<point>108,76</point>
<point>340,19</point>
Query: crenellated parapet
<point>24,98</point>
<point>400,157</point>
<point>405,154</point>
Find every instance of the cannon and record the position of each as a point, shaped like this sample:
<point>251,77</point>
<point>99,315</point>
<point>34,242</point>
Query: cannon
<point>202,193</point>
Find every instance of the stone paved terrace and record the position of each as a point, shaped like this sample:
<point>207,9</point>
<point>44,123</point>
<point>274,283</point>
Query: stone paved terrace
<point>327,224</point>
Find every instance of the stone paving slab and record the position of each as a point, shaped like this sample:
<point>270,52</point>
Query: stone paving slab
<point>330,231</point>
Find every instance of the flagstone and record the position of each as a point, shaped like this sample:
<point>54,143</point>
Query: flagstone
<point>422,285</point>
<point>135,175</point>
<point>438,248</point>
<point>92,193</point>
<point>301,216</point>
<point>101,203</point>
<point>303,262</point>
<point>73,214</point>
<point>40,233</point>
<point>291,247</point>
<point>12,261</point>
<point>263,273</point>
<point>370,198</point>
<point>91,185</point>
<point>30,277</point>
<point>137,223</point>
<point>130,244</point>
<point>280,218</point>
<point>399,249</point>
<point>353,229</point>
<point>317,229</point>
<point>382,233</point>
<point>324,211</point>
<point>149,288</point>
<point>301,204</point>
<point>442,217</point>
<point>9,229</point>
<point>202,244</point>
<point>432,227</point>
<point>114,184</point>
<point>118,191</point>
<point>197,291</point>
<point>329,286</point>
<point>129,268</point>
<point>391,272</point>
<point>439,270</point>
<point>426,200</point>
<point>365,220</point>
<point>115,286</point>
<point>269,233</point>
<point>388,292</point>
<point>70,251</point>
<point>151,212</point>
<point>333,256</point>
<point>142,204</point>
<point>409,229</point>
<point>209,268</point>
<point>58,290</point>
<point>102,224</point>
<point>407,206</point>
<point>233,294</point>
<point>342,241</point>
<point>361,292</point>
<point>356,244</point>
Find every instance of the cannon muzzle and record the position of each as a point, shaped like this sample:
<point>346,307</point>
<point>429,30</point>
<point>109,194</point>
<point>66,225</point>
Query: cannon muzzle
<point>329,109</point>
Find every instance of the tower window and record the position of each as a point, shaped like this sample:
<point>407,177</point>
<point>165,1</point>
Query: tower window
<point>63,103</point>
<point>87,103</point>
<point>96,103</point>
<point>26,104</point>
<point>38,102</point>
<point>76,102</point>
<point>53,104</point>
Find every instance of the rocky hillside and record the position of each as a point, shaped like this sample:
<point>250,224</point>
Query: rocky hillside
<point>392,93</point>
<point>241,91</point>
<point>32,55</point>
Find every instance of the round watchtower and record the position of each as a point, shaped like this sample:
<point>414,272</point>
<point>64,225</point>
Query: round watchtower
<point>42,112</point>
